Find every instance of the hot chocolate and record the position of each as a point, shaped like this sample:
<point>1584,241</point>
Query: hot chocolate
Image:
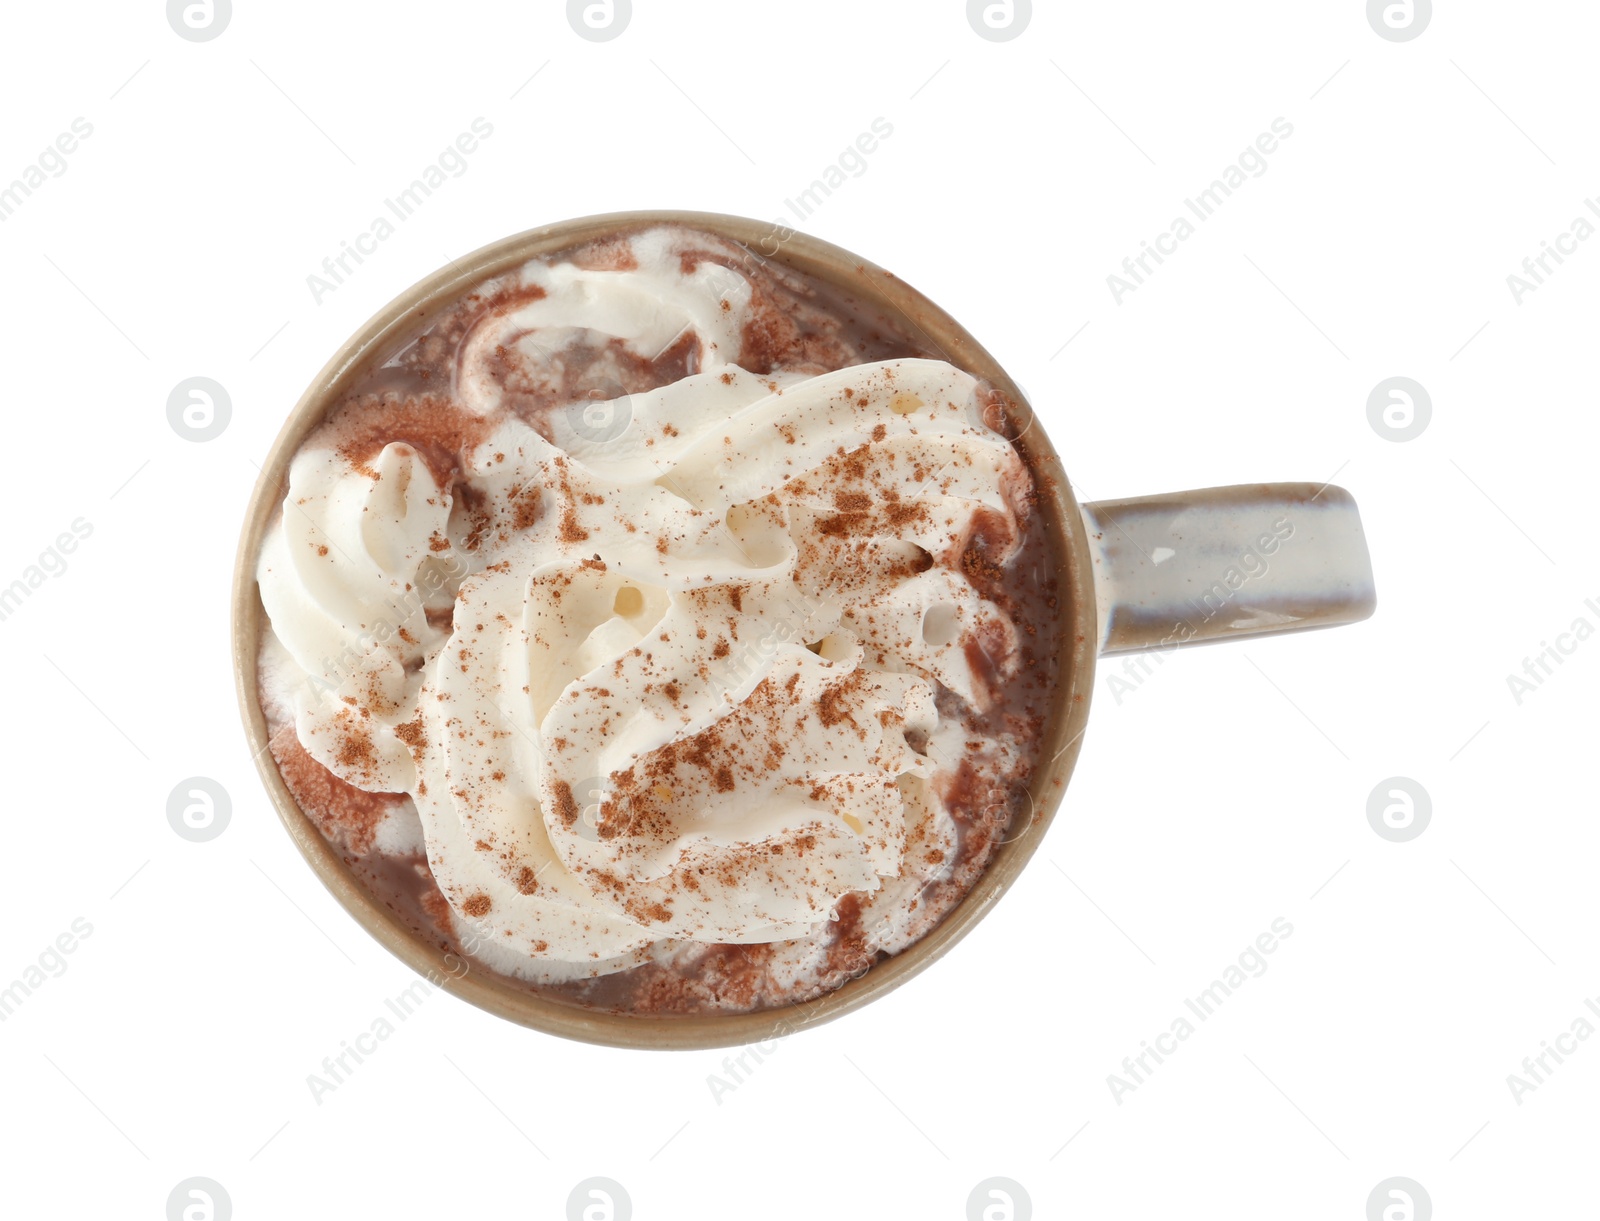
<point>662,630</point>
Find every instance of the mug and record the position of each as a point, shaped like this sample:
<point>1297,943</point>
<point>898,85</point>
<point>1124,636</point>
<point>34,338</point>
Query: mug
<point>1153,572</point>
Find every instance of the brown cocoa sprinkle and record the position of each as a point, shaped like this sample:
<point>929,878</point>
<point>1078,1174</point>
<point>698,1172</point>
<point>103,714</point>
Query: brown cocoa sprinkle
<point>527,881</point>
<point>477,906</point>
<point>527,506</point>
<point>842,525</point>
<point>983,572</point>
<point>721,648</point>
<point>566,807</point>
<point>901,514</point>
<point>356,751</point>
<point>647,912</point>
<point>832,707</point>
<point>571,531</point>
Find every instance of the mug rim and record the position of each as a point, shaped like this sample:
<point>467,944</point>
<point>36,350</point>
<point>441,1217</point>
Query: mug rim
<point>1059,746</point>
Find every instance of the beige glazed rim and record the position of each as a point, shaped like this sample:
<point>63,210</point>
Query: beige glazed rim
<point>882,294</point>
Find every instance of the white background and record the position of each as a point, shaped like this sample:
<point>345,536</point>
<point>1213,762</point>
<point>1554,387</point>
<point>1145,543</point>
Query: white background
<point>1229,789</point>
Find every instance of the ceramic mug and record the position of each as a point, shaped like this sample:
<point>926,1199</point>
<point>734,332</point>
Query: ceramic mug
<point>1154,572</point>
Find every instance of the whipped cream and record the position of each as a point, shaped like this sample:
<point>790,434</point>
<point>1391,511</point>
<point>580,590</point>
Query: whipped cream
<point>659,657</point>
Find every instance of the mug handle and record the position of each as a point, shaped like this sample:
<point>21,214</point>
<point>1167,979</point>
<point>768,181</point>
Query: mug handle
<point>1249,560</point>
